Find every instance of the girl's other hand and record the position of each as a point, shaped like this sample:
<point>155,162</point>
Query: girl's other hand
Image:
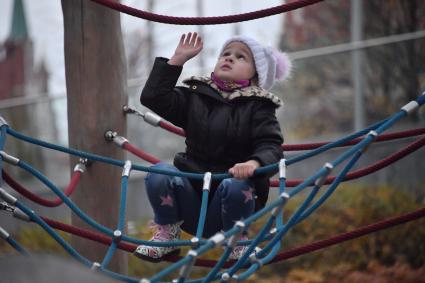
<point>189,46</point>
<point>244,170</point>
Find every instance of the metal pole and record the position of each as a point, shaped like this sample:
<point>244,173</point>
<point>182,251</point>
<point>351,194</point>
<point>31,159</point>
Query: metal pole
<point>200,13</point>
<point>356,58</point>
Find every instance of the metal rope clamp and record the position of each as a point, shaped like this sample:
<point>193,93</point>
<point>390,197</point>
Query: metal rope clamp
<point>207,182</point>
<point>95,266</point>
<point>7,197</point>
<point>282,168</point>
<point>152,119</point>
<point>3,122</point>
<point>114,137</point>
<point>9,158</point>
<point>374,136</point>
<point>127,169</point>
<point>253,257</point>
<point>81,165</point>
<point>4,234</point>
<point>187,268</point>
<point>117,236</point>
<point>322,179</point>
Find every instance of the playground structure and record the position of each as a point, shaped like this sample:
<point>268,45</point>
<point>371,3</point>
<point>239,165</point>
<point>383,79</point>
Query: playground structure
<point>254,257</point>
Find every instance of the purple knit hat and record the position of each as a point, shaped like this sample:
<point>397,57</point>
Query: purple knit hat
<point>270,64</point>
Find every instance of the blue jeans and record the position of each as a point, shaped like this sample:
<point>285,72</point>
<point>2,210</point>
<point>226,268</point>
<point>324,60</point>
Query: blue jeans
<point>173,199</point>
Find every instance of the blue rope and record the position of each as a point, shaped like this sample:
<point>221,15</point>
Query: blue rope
<point>121,223</point>
<point>52,233</point>
<point>14,244</point>
<point>34,217</point>
<point>86,218</point>
<point>202,214</point>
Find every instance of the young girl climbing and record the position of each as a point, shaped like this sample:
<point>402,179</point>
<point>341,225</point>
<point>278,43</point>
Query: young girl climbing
<point>230,125</point>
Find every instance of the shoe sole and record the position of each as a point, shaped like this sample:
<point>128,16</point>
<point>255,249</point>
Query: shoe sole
<point>155,260</point>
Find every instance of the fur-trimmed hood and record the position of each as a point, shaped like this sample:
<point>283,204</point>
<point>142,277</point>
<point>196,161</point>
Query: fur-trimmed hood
<point>250,91</point>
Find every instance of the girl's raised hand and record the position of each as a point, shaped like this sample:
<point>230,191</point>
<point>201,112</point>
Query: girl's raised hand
<point>189,46</point>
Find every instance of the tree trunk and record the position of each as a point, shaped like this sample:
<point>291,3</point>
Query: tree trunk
<point>96,82</point>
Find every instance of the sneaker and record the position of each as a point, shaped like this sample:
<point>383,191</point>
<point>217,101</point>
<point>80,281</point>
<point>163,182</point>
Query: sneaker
<point>238,251</point>
<point>163,233</point>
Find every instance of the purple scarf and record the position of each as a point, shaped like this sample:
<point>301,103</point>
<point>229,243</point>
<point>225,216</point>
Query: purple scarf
<point>229,85</point>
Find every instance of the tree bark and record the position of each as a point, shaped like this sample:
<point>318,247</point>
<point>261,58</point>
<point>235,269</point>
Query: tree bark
<point>96,82</point>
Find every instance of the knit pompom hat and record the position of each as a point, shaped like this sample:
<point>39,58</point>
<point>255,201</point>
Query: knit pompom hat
<point>270,64</point>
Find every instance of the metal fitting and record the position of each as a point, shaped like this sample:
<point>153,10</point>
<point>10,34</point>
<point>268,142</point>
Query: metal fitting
<point>225,276</point>
<point>372,134</point>
<point>192,253</point>
<point>95,266</point>
<point>21,215</point>
<point>129,110</point>
<point>9,158</point>
<point>117,236</point>
<point>253,257</point>
<point>410,107</point>
<point>284,195</point>
<point>3,122</point>
<point>7,197</point>
<point>233,240</point>
<point>282,168</point>
<point>195,241</point>
<point>207,181</point>
<point>109,135</point>
<point>80,167</point>
<point>119,140</point>
<point>217,239</point>
<point>273,231</point>
<point>152,119</point>
<point>3,234</point>
<point>322,179</point>
<point>276,210</point>
<point>127,168</point>
<point>187,268</point>
<point>240,224</point>
<point>5,206</point>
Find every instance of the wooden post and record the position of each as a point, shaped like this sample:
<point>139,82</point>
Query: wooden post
<point>96,82</point>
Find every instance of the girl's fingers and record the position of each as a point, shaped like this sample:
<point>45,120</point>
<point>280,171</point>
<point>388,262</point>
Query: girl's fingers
<point>182,37</point>
<point>188,38</point>
<point>194,39</point>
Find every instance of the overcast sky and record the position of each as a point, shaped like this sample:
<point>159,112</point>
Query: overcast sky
<point>45,24</point>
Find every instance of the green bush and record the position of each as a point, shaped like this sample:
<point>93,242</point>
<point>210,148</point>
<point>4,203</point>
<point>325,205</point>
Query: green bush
<point>351,207</point>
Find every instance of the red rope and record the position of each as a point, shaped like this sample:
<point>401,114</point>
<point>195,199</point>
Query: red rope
<point>385,137</point>
<point>206,20</point>
<point>171,128</point>
<point>140,153</point>
<point>350,235</point>
<point>45,202</point>
<point>381,225</point>
<point>308,146</point>
<point>365,170</point>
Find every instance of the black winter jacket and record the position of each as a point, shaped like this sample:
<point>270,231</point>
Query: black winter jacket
<point>219,132</point>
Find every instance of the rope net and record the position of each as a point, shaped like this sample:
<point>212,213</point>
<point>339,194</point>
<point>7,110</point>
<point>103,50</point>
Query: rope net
<point>270,235</point>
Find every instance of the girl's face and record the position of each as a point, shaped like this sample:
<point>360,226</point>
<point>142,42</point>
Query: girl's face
<point>235,63</point>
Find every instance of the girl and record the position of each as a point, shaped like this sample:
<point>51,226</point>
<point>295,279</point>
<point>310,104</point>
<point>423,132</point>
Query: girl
<point>230,124</point>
